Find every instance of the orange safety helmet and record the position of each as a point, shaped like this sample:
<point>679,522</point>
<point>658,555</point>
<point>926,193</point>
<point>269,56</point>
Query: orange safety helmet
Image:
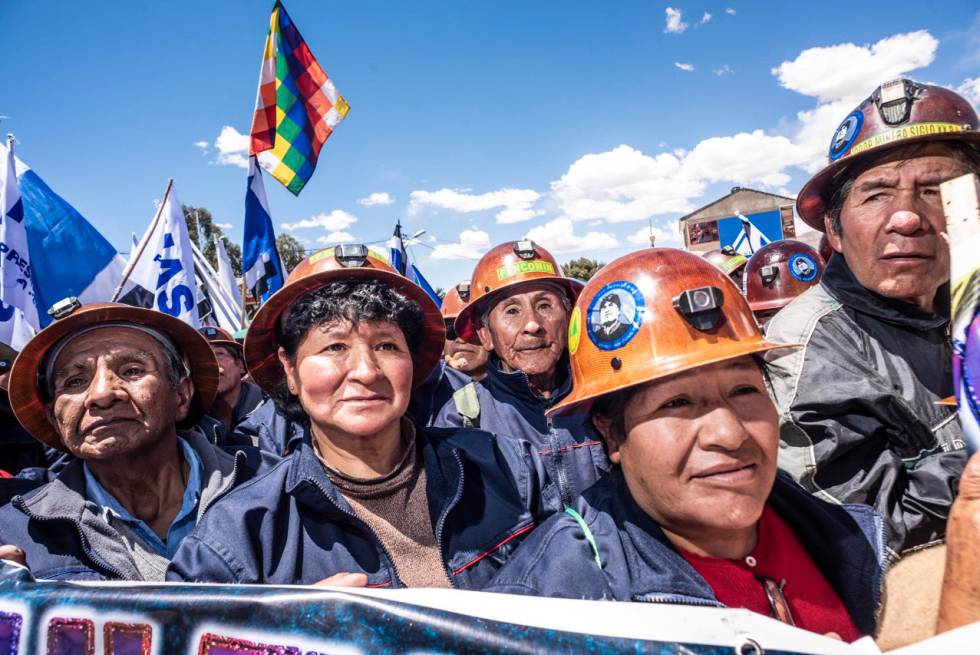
<point>456,298</point>
<point>504,267</point>
<point>897,113</point>
<point>780,271</point>
<point>27,400</point>
<point>729,261</point>
<point>343,262</point>
<point>673,312</point>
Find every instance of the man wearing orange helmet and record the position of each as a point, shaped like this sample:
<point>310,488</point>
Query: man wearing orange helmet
<point>518,311</point>
<point>460,354</point>
<point>858,404</point>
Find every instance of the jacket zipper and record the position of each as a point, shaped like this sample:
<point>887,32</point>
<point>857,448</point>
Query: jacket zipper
<point>558,456</point>
<point>440,524</point>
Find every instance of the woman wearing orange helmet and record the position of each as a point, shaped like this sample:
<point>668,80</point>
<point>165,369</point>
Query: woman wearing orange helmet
<point>693,511</point>
<point>366,496</point>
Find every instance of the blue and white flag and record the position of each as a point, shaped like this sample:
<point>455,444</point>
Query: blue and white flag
<point>160,273</point>
<point>416,276</point>
<point>18,312</point>
<point>69,257</point>
<point>261,265</point>
<point>226,274</point>
<point>750,238</point>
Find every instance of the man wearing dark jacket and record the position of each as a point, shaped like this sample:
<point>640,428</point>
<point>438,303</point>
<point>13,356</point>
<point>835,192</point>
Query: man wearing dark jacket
<point>858,403</point>
<point>236,398</point>
<point>111,384</point>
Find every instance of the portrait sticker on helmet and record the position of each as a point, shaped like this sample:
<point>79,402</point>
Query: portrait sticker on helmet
<point>803,267</point>
<point>575,331</point>
<point>615,315</point>
<point>845,134</point>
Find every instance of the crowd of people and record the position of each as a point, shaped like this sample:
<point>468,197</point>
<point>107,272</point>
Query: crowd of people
<point>766,433</point>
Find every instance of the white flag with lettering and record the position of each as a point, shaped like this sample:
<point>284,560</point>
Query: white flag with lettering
<point>18,312</point>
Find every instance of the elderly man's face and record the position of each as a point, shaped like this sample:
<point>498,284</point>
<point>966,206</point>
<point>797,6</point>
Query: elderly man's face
<point>891,222</point>
<point>112,395</point>
<point>528,329</point>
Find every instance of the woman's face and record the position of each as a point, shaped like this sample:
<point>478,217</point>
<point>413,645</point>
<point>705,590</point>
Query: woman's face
<point>351,379</point>
<point>700,449</point>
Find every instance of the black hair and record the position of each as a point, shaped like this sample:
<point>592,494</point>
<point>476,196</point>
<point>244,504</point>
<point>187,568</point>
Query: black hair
<point>355,301</point>
<point>612,298</point>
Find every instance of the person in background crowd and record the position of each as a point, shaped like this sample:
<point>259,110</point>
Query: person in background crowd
<point>519,312</point>
<point>461,355</point>
<point>368,498</point>
<point>858,404</point>
<point>111,384</point>
<point>18,449</point>
<point>730,262</point>
<point>778,272</point>
<point>237,397</point>
<point>693,511</point>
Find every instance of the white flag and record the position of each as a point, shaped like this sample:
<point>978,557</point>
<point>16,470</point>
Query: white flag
<point>220,309</point>
<point>161,270</point>
<point>18,312</point>
<point>226,274</point>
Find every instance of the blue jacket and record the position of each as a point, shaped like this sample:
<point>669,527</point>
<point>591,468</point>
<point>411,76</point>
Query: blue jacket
<point>847,543</point>
<point>292,526</point>
<point>570,446</point>
<point>269,430</point>
<point>65,536</point>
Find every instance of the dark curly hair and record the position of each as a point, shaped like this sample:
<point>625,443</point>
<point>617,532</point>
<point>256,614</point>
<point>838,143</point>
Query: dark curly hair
<point>347,300</point>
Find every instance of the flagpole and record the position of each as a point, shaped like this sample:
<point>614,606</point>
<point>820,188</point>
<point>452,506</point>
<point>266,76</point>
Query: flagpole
<point>132,260</point>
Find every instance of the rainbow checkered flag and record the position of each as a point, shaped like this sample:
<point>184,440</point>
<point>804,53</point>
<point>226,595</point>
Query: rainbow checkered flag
<point>297,107</point>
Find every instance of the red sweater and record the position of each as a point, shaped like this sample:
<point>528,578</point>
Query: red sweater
<point>778,555</point>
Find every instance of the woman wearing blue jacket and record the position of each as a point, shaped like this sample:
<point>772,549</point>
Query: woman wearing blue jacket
<point>693,511</point>
<point>367,498</point>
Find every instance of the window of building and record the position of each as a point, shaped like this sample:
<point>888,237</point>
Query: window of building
<point>705,232</point>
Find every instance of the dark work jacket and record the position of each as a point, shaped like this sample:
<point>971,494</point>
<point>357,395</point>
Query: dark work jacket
<point>859,419</point>
<point>249,399</point>
<point>18,449</point>
<point>570,446</point>
<point>846,542</point>
<point>292,526</point>
<point>64,535</point>
<point>269,430</point>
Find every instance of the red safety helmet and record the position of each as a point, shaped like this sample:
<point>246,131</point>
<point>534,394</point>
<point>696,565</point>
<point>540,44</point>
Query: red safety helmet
<point>897,113</point>
<point>780,271</point>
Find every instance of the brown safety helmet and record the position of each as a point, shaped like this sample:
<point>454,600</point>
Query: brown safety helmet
<point>780,271</point>
<point>343,262</point>
<point>673,312</point>
<point>220,337</point>
<point>28,400</point>
<point>456,298</point>
<point>506,266</point>
<point>729,261</point>
<point>897,113</point>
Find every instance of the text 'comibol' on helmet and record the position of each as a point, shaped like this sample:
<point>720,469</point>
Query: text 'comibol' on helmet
<point>503,268</point>
<point>780,271</point>
<point>347,262</point>
<point>898,113</point>
<point>650,314</point>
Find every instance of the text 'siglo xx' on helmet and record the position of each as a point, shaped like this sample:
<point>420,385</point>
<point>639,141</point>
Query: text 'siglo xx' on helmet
<point>673,312</point>
<point>504,267</point>
<point>780,271</point>
<point>351,262</point>
<point>898,113</point>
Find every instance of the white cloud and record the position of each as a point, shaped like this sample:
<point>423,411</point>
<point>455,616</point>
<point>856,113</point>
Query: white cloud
<point>848,70</point>
<point>675,22</point>
<point>471,245</point>
<point>558,236</point>
<point>730,11</point>
<point>970,89</point>
<point>704,19</point>
<point>745,158</point>
<point>336,237</point>
<point>724,69</point>
<point>516,205</point>
<point>335,221</point>
<point>203,145</point>
<point>381,198</point>
<point>224,226</point>
<point>665,236</point>
<point>684,67</point>
<point>232,147</point>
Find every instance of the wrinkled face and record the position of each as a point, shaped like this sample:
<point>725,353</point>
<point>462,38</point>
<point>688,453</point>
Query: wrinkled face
<point>230,369</point>
<point>699,454</point>
<point>112,396</point>
<point>351,379</point>
<point>891,222</point>
<point>528,329</point>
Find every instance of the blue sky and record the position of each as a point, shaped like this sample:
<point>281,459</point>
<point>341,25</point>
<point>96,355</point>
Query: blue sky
<point>575,123</point>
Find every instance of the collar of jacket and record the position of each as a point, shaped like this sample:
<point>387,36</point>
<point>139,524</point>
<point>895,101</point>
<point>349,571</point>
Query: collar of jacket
<point>847,545</point>
<point>516,387</point>
<point>250,397</point>
<point>63,499</point>
<point>842,285</point>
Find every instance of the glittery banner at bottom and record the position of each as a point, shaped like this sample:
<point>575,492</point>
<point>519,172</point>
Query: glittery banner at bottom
<point>71,637</point>
<point>127,638</point>
<point>9,633</point>
<point>218,645</point>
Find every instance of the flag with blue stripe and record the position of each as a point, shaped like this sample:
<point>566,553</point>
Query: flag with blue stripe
<point>261,265</point>
<point>18,312</point>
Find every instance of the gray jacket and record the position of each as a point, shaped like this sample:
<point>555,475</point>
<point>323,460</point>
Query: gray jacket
<point>859,419</point>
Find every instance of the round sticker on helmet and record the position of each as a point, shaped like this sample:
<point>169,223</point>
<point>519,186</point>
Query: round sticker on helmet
<point>803,267</point>
<point>845,135</point>
<point>575,331</point>
<point>615,315</point>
